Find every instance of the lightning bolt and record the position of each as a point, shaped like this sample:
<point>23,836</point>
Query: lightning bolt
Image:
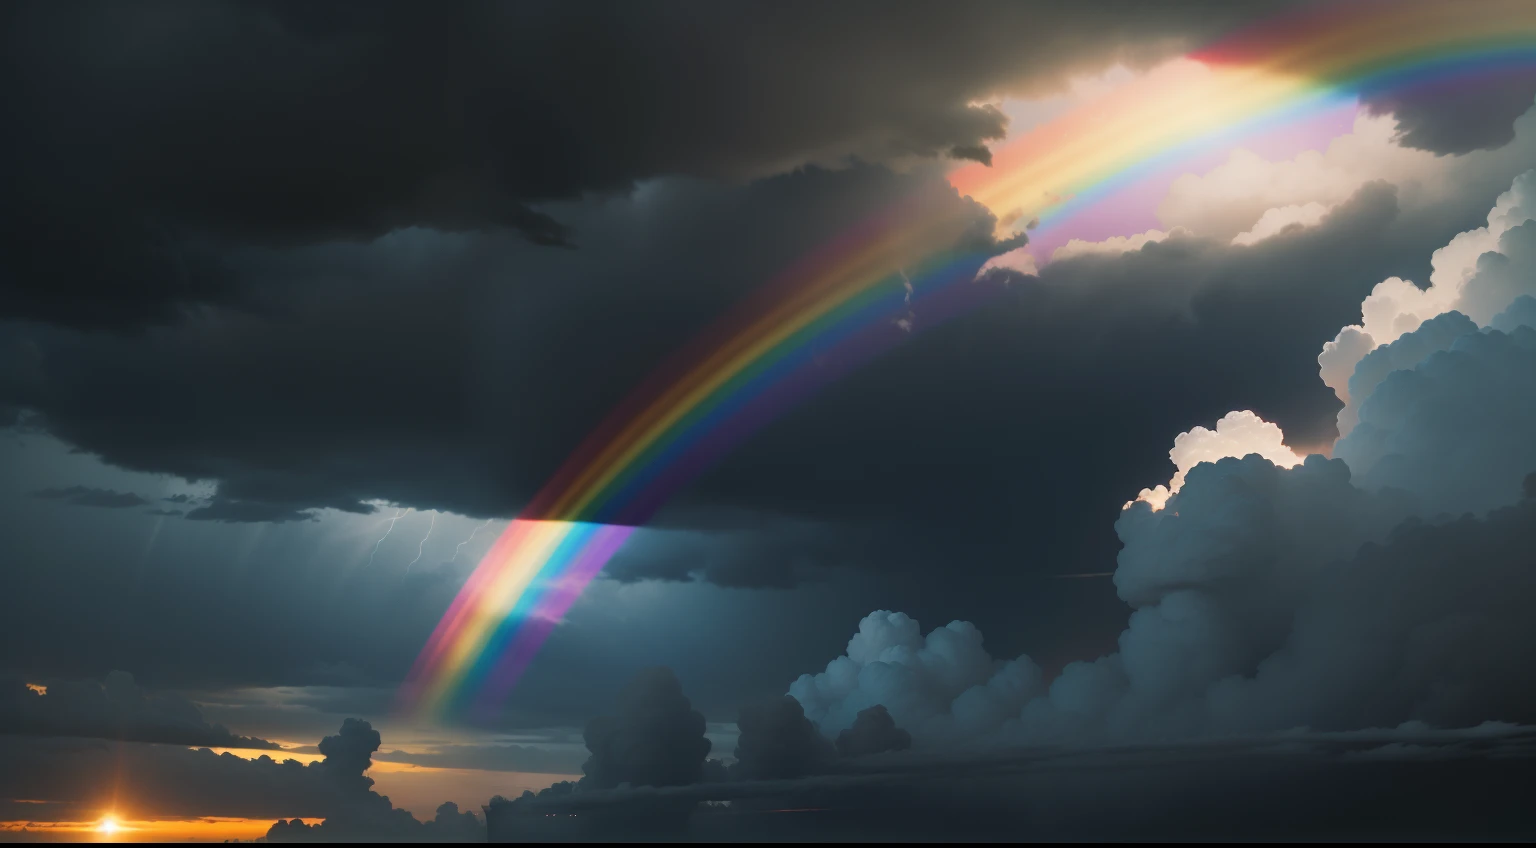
<point>423,546</point>
<point>460,546</point>
<point>399,515</point>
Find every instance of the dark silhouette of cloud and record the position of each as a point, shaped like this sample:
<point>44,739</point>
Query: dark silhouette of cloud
<point>654,737</point>
<point>778,742</point>
<point>873,732</point>
<point>116,708</point>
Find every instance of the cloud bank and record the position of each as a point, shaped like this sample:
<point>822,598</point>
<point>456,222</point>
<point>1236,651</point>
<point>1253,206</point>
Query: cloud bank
<point>1268,592</point>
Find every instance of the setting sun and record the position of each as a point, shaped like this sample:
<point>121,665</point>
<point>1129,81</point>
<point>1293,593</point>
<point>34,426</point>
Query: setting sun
<point>108,826</point>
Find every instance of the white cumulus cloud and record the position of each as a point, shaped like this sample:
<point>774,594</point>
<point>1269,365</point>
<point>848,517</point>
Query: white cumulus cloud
<point>1237,434</point>
<point>1275,221</point>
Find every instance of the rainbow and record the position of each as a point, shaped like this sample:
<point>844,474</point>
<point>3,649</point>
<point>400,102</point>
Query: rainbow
<point>858,294</point>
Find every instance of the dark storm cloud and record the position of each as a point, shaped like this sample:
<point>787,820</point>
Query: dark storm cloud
<point>873,732</point>
<point>415,363</point>
<point>89,496</point>
<point>114,709</point>
<point>1460,115</point>
<point>404,394</point>
<point>778,742</point>
<point>155,131</point>
<point>653,738</point>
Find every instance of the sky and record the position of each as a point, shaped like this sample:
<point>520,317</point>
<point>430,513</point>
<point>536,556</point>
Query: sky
<point>1175,482</point>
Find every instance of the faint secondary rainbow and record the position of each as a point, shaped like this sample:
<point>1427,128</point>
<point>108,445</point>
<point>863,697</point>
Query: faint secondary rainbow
<point>849,300</point>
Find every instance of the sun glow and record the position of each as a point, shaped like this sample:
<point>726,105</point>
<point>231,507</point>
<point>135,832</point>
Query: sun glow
<point>108,826</point>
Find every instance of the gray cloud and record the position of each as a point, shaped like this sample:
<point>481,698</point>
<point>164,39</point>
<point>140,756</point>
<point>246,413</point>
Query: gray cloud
<point>1520,313</point>
<point>88,496</point>
<point>1452,429</point>
<point>116,708</point>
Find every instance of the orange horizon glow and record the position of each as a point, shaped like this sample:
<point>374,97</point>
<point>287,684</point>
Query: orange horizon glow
<point>112,829</point>
<point>419,789</point>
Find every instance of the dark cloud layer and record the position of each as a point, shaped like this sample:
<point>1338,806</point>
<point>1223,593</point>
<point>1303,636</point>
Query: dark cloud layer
<point>114,709</point>
<point>282,122</point>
